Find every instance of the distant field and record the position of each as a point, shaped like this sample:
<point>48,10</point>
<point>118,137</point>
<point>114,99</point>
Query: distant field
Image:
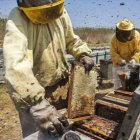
<point>93,36</point>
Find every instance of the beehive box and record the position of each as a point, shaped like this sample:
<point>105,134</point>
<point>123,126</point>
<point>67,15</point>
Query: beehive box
<point>113,104</point>
<point>82,91</point>
<point>101,127</point>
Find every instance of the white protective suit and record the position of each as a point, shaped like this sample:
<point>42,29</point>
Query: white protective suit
<point>35,55</point>
<point>119,70</point>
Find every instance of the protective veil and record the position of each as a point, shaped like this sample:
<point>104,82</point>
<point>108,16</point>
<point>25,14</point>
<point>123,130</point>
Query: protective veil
<point>124,36</point>
<point>125,30</point>
<point>41,12</point>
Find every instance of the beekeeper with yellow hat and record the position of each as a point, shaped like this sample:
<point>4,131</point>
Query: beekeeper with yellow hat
<point>125,48</point>
<point>38,35</point>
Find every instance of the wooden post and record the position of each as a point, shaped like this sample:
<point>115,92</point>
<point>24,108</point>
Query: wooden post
<point>97,58</point>
<point>132,118</point>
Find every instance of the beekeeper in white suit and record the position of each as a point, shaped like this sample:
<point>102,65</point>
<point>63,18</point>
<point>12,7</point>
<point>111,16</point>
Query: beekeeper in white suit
<point>38,35</point>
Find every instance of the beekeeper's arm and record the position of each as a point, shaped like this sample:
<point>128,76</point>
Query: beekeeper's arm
<point>115,57</point>
<point>136,55</point>
<point>75,46</point>
<point>18,64</point>
<point>25,88</point>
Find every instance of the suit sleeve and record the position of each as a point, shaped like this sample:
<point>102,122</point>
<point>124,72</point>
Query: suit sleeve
<point>18,67</point>
<point>136,55</point>
<point>74,44</point>
<point>115,57</point>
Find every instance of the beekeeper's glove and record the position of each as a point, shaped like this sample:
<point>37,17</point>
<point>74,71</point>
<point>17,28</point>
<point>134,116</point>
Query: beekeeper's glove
<point>48,119</point>
<point>132,62</point>
<point>87,62</point>
<point>122,63</point>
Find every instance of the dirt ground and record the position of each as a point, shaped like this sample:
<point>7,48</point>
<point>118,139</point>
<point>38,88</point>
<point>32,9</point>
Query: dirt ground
<point>9,121</point>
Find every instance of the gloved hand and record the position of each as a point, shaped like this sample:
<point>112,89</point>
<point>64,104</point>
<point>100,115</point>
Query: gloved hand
<point>122,63</point>
<point>87,62</point>
<point>132,62</point>
<point>48,118</point>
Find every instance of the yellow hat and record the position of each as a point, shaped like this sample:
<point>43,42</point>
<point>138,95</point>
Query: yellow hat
<point>125,25</point>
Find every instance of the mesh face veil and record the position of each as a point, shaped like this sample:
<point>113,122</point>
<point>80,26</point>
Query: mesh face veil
<point>41,11</point>
<point>124,36</point>
<point>125,30</point>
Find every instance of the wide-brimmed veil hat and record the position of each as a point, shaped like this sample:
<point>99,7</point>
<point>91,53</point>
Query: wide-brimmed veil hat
<point>125,25</point>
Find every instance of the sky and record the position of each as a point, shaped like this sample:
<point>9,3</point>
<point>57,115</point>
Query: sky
<point>93,13</point>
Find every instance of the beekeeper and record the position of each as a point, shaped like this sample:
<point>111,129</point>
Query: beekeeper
<point>125,48</point>
<point>38,35</point>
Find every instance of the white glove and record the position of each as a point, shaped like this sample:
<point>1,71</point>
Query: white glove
<point>88,62</point>
<point>48,118</point>
<point>123,62</point>
<point>132,62</point>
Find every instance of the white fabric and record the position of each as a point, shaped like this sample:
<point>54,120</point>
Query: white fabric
<point>133,62</point>
<point>118,70</point>
<point>138,134</point>
<point>39,136</point>
<point>123,62</point>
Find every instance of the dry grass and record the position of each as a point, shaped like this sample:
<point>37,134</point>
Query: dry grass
<point>95,35</point>
<point>9,122</point>
<point>2,31</point>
